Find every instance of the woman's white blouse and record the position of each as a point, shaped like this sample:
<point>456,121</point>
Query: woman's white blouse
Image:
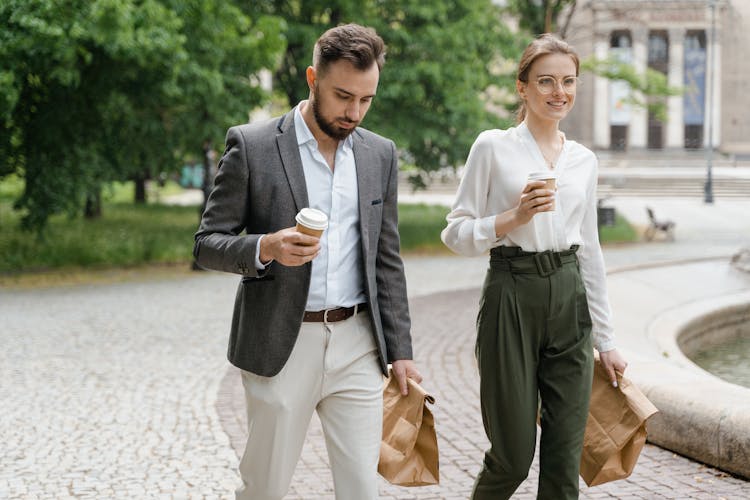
<point>494,177</point>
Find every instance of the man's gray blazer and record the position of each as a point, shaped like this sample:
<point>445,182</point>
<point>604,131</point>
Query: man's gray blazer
<point>259,188</point>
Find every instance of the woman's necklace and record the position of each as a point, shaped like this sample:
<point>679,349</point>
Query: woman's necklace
<point>555,154</point>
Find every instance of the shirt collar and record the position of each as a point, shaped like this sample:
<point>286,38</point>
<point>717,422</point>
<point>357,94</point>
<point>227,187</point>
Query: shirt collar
<point>305,135</point>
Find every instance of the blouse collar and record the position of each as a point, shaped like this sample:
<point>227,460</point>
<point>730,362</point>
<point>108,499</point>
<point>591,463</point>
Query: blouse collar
<point>533,148</point>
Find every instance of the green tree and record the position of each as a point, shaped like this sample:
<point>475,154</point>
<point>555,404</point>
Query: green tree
<point>75,69</point>
<point>444,56</point>
<point>218,83</point>
<point>103,90</point>
<point>441,60</point>
<point>214,88</point>
<point>541,16</point>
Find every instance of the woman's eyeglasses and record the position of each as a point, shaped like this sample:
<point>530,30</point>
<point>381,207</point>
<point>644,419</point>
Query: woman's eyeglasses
<point>548,84</point>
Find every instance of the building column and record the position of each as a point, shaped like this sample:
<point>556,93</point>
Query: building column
<point>716,73</point>
<point>638,129</point>
<point>601,96</point>
<point>675,78</point>
<point>713,76</point>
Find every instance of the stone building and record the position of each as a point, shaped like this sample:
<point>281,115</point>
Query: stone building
<point>674,37</point>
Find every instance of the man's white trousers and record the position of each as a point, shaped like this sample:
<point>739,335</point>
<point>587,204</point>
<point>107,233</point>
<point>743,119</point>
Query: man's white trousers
<point>334,370</point>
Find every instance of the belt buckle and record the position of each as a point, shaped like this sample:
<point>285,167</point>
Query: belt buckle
<point>325,315</point>
<point>547,262</point>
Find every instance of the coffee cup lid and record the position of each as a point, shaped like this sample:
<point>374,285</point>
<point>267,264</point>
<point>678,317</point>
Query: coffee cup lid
<point>540,176</point>
<point>312,218</point>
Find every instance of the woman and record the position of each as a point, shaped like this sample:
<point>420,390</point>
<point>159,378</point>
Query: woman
<point>544,299</point>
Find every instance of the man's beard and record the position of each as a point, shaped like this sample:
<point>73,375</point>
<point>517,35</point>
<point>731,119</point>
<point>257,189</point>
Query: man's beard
<point>328,128</point>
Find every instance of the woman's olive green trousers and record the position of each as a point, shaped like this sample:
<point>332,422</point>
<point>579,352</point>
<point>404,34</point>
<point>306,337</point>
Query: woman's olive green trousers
<point>533,344</point>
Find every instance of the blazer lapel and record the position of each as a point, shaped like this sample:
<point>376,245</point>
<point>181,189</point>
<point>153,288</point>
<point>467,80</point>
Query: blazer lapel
<point>290,159</point>
<point>368,177</point>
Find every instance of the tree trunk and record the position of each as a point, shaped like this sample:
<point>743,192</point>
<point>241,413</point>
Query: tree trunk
<point>140,188</point>
<point>548,17</point>
<point>335,17</point>
<point>93,207</point>
<point>564,30</point>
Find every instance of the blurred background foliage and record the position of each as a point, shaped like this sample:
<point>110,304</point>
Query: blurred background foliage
<point>98,92</point>
<point>442,56</point>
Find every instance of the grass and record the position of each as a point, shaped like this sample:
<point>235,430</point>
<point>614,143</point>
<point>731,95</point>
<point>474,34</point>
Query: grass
<point>129,235</point>
<point>419,226</point>
<point>123,192</point>
<point>126,235</point>
<point>621,232</point>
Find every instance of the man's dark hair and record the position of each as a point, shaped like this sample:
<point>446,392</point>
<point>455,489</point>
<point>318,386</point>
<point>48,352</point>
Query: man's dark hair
<point>357,44</point>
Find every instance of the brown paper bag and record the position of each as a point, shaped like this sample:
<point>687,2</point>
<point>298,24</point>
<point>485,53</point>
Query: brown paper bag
<point>615,430</point>
<point>408,451</point>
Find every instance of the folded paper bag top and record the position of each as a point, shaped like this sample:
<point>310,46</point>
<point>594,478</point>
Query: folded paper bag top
<point>408,450</point>
<point>615,430</point>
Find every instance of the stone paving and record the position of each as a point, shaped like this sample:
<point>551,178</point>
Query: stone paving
<point>123,391</point>
<point>110,391</point>
<point>443,330</point>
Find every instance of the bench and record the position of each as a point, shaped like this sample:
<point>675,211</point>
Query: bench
<point>658,226</point>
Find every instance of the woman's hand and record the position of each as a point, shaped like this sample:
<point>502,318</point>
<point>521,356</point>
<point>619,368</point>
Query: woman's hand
<point>612,361</point>
<point>534,199</point>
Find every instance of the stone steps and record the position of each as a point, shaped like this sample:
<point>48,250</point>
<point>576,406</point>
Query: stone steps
<point>611,185</point>
<point>672,187</point>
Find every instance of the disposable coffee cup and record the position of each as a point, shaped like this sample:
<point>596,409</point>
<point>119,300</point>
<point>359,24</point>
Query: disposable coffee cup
<point>311,221</point>
<point>549,178</point>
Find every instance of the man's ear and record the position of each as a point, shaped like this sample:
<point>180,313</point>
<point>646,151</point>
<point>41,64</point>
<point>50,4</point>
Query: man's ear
<point>311,75</point>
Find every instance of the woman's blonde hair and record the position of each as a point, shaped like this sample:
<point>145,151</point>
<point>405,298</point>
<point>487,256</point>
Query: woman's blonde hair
<point>543,45</point>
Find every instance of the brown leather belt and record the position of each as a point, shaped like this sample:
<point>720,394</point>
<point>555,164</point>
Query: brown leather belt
<point>333,315</point>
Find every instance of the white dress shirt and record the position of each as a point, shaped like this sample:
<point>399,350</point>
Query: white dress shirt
<point>337,277</point>
<point>496,173</point>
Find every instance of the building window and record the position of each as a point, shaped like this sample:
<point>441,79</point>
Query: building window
<point>620,39</point>
<point>695,88</point>
<point>658,59</point>
<point>658,51</point>
<point>620,49</point>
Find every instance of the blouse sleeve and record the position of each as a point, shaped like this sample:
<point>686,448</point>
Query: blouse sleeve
<point>470,230</point>
<point>594,274</point>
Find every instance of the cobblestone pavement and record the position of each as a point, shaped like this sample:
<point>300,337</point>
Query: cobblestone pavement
<point>123,391</point>
<point>443,330</point>
<point>109,391</point>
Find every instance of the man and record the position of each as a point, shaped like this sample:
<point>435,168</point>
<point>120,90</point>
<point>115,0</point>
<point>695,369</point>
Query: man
<point>316,320</point>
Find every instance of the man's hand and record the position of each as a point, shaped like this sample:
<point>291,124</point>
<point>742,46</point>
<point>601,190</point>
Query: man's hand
<point>289,247</point>
<point>403,369</point>
<point>612,361</point>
